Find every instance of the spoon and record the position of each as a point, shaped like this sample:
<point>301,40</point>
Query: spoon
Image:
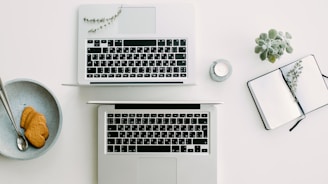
<point>22,143</point>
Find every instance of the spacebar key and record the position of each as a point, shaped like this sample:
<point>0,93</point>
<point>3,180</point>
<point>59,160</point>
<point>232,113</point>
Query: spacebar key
<point>153,149</point>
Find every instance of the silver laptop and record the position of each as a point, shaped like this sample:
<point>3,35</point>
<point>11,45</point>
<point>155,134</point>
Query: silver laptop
<point>121,44</point>
<point>156,142</point>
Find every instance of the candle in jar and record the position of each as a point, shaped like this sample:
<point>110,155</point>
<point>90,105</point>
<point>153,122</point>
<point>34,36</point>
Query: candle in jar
<point>221,69</point>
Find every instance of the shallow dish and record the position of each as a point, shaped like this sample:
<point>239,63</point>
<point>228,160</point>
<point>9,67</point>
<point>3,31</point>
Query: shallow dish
<point>22,93</point>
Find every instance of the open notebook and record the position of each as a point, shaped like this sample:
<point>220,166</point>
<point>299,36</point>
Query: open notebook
<point>282,99</point>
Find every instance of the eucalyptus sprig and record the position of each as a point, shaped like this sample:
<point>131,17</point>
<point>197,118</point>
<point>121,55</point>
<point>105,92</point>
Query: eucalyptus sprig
<point>273,44</point>
<point>104,21</point>
<point>292,76</point>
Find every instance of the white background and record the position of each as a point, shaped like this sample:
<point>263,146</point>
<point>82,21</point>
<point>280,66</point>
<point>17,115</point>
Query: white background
<point>38,40</point>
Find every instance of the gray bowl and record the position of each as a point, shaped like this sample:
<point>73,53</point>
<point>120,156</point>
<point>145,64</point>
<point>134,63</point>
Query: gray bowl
<point>22,93</point>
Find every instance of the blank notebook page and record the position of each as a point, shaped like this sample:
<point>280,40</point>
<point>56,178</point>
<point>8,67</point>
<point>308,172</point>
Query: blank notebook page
<point>276,103</point>
<point>311,90</point>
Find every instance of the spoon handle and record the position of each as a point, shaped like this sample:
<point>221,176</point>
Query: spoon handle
<point>4,99</point>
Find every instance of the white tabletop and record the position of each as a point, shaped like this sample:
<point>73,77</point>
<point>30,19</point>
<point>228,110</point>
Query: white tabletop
<point>38,40</point>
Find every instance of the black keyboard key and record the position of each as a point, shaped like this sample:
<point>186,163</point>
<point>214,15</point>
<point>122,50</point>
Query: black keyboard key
<point>153,149</point>
<point>89,58</point>
<point>112,134</point>
<point>202,121</point>
<point>183,42</point>
<point>118,43</point>
<point>111,127</point>
<point>139,42</point>
<point>110,43</point>
<point>132,149</point>
<point>94,50</point>
<point>182,49</point>
<point>175,149</point>
<point>91,70</point>
<point>205,134</point>
<point>181,63</point>
<point>180,56</point>
<point>111,141</point>
<point>117,148</point>
<point>97,43</point>
<point>124,149</point>
<point>110,149</point>
<point>200,141</point>
<point>133,141</point>
<point>160,141</point>
<point>161,42</point>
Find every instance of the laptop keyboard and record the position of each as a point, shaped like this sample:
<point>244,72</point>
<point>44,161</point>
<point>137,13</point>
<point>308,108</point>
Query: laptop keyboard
<point>138,59</point>
<point>158,132</point>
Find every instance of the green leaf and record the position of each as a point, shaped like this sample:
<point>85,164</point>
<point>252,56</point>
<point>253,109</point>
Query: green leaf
<point>288,35</point>
<point>263,55</point>
<point>272,58</point>
<point>258,49</point>
<point>261,42</point>
<point>280,52</point>
<point>272,33</point>
<point>263,36</point>
<point>289,49</point>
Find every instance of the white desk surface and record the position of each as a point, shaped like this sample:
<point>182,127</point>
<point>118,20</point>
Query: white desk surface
<point>38,40</point>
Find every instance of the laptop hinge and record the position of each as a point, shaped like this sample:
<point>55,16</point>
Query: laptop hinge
<point>157,106</point>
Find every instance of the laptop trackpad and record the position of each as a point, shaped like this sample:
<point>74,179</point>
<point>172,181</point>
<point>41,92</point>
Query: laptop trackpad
<point>157,170</point>
<point>137,20</point>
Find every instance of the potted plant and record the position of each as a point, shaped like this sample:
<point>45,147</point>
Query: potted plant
<point>272,45</point>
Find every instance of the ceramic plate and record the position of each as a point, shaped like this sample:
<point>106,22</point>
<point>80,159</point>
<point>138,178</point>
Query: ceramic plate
<point>22,93</point>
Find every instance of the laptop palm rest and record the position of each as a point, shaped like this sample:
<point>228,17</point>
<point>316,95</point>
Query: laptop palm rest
<point>157,170</point>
